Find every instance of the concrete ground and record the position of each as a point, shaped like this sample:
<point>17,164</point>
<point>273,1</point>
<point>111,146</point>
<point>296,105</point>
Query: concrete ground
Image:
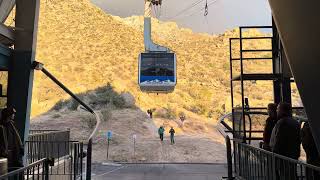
<point>159,171</point>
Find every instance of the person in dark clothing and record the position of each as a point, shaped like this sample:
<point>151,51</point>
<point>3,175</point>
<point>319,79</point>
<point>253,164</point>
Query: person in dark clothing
<point>161,132</point>
<point>10,140</point>
<point>182,118</point>
<point>172,135</point>
<point>285,140</point>
<point>149,111</point>
<point>312,153</point>
<point>270,123</point>
<point>285,137</point>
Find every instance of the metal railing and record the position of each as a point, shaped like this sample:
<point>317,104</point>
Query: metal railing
<point>37,170</point>
<point>49,135</point>
<point>40,131</point>
<point>39,66</point>
<point>252,163</point>
<point>48,144</point>
<point>67,155</point>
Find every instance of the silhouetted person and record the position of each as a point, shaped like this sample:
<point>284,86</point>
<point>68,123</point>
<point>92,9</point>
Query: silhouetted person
<point>285,140</point>
<point>160,132</point>
<point>10,139</point>
<point>310,148</point>
<point>172,135</point>
<point>270,123</point>
<point>182,118</point>
<point>149,111</point>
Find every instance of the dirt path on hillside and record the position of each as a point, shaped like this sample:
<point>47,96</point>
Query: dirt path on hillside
<point>195,141</point>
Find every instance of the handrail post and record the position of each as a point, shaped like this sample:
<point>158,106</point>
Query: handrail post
<point>229,158</point>
<point>89,157</point>
<point>75,160</point>
<point>81,160</point>
<point>46,169</point>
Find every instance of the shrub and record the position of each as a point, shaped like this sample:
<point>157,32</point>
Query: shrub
<point>89,120</point>
<point>59,105</point>
<point>199,109</point>
<point>57,115</point>
<point>171,113</point>
<point>107,114</point>
<point>166,113</point>
<point>106,95</point>
<point>73,105</point>
<point>118,101</point>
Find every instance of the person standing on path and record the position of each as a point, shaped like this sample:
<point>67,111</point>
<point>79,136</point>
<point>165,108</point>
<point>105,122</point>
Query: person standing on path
<point>160,132</point>
<point>172,135</point>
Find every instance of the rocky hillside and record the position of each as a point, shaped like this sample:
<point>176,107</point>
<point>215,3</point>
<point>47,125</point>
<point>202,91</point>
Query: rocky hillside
<point>86,48</point>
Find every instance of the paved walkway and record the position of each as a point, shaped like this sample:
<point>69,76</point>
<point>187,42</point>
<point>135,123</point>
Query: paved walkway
<point>159,172</point>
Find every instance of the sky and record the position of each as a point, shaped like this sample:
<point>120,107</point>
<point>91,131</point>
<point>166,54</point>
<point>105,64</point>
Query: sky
<point>222,14</point>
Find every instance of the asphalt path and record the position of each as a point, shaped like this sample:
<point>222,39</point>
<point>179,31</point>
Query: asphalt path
<point>158,171</point>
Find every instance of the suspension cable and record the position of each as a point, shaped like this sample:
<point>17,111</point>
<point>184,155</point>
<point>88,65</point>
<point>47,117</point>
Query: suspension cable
<point>186,9</point>
<point>195,12</point>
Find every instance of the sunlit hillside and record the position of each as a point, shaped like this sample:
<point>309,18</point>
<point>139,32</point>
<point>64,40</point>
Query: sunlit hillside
<point>86,48</point>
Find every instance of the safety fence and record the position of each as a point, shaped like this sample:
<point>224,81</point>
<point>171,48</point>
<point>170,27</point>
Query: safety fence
<point>49,135</point>
<point>41,131</point>
<point>67,156</point>
<point>252,163</point>
<point>38,170</point>
<point>49,144</point>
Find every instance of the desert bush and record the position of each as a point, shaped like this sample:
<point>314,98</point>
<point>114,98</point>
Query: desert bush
<point>107,114</point>
<point>57,115</point>
<point>211,114</point>
<point>199,108</point>
<point>88,120</point>
<point>73,105</point>
<point>181,114</point>
<point>106,95</point>
<point>118,101</point>
<point>59,105</point>
<point>166,113</point>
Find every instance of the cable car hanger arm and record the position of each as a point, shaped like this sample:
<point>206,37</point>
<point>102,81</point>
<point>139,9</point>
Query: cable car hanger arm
<point>148,43</point>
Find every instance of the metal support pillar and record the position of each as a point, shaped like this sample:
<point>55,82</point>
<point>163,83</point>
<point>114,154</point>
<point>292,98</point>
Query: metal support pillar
<point>286,90</point>
<point>20,81</point>
<point>281,87</point>
<point>276,65</point>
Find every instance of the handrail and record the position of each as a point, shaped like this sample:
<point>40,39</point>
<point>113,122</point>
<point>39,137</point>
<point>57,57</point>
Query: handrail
<point>39,66</point>
<point>254,163</point>
<point>20,170</point>
<point>280,156</point>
